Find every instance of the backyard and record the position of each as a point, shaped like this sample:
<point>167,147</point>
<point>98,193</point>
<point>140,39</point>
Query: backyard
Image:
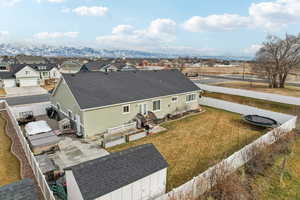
<point>262,87</point>
<point>268,105</point>
<point>9,164</point>
<point>193,144</point>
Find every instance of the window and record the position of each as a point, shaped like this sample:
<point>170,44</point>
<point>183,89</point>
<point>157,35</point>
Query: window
<point>156,105</point>
<point>190,97</point>
<point>174,99</point>
<point>45,73</point>
<point>2,67</point>
<point>126,109</point>
<point>27,72</point>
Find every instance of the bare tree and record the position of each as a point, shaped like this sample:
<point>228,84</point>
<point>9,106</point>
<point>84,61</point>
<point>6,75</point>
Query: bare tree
<point>277,58</point>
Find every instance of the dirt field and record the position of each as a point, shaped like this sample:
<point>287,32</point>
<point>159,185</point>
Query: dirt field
<point>194,143</point>
<point>9,164</point>
<point>217,70</point>
<point>262,87</point>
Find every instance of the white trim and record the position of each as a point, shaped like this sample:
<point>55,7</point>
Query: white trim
<point>159,105</point>
<point>191,100</point>
<point>125,113</point>
<point>147,109</point>
<point>130,102</point>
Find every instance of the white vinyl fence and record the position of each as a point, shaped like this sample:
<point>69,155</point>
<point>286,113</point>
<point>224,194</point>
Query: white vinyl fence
<point>122,128</point>
<point>37,109</point>
<point>203,182</point>
<point>47,193</point>
<point>252,94</point>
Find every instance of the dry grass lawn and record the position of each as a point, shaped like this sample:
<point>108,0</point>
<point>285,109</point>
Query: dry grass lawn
<point>2,92</point>
<point>193,144</point>
<point>9,164</point>
<point>262,87</point>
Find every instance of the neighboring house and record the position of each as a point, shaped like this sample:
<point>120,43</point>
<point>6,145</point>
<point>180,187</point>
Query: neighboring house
<point>26,59</point>
<point>97,101</point>
<point>70,66</point>
<point>136,173</point>
<point>21,190</point>
<point>5,63</point>
<point>107,66</point>
<point>96,66</point>
<point>114,67</point>
<point>29,75</point>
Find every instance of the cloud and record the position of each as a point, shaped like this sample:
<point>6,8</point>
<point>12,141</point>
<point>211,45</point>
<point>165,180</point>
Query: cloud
<point>3,34</point>
<point>270,16</point>
<point>66,10</point>
<point>51,1</point>
<point>252,49</point>
<point>159,33</point>
<point>8,3</point>
<point>55,35</point>
<point>275,15</point>
<point>90,11</point>
<point>225,22</point>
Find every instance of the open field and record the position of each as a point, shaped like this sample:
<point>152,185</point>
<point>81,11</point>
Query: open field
<point>193,144</point>
<point>268,105</point>
<point>217,70</point>
<point>269,187</point>
<point>9,164</point>
<point>262,87</point>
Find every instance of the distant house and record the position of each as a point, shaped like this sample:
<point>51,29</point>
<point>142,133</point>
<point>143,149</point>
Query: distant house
<point>21,190</point>
<point>96,66</point>
<point>5,63</point>
<point>97,101</point>
<point>136,173</point>
<point>26,59</point>
<point>107,66</point>
<point>29,75</point>
<point>70,66</point>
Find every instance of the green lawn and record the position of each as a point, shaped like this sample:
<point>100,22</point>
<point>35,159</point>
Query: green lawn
<point>193,144</point>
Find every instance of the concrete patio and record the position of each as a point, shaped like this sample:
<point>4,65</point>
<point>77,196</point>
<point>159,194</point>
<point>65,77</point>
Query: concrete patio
<point>75,150</point>
<point>24,91</point>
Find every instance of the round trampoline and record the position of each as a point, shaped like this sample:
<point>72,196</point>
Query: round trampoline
<point>260,121</point>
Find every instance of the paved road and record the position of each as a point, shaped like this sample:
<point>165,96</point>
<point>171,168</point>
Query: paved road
<point>12,101</point>
<point>211,79</point>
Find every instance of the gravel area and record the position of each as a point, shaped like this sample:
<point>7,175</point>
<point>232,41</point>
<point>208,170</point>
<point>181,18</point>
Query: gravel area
<point>17,150</point>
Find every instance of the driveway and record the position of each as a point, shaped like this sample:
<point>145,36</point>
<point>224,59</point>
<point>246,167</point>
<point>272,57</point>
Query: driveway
<point>25,91</point>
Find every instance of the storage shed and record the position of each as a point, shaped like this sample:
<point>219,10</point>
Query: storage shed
<point>138,173</point>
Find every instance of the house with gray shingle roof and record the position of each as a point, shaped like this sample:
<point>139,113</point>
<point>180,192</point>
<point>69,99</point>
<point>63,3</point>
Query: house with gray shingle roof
<point>98,101</point>
<point>29,74</point>
<point>136,173</point>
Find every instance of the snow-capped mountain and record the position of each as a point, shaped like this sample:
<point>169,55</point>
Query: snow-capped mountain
<point>12,49</point>
<point>47,50</point>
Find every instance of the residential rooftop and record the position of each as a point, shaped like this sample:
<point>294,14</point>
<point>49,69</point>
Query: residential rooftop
<point>99,89</point>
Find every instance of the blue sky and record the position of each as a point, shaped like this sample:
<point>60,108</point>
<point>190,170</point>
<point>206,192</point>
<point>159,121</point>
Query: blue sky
<point>207,27</point>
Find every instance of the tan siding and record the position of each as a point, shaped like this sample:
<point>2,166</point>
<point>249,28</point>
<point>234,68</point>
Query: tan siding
<point>64,97</point>
<point>97,121</point>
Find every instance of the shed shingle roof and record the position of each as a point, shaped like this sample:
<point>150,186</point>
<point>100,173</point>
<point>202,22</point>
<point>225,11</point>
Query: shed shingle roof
<point>98,89</point>
<point>21,190</point>
<point>101,176</point>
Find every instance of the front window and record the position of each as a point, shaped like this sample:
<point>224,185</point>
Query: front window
<point>174,99</point>
<point>190,97</point>
<point>156,105</point>
<point>27,72</point>
<point>126,109</point>
<point>45,73</point>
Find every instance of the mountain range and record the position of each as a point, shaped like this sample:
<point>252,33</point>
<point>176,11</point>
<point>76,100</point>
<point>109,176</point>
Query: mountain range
<point>68,51</point>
